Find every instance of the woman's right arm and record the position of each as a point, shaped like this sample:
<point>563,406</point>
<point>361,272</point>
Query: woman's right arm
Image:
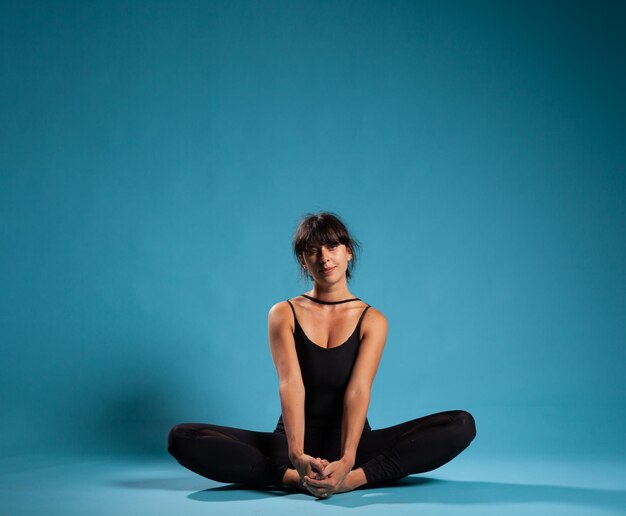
<point>291,389</point>
<point>291,386</point>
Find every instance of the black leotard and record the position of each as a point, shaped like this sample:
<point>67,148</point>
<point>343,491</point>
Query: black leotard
<point>325,374</point>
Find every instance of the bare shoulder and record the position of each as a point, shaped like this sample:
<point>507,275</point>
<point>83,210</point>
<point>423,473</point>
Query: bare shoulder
<point>279,308</point>
<point>279,314</point>
<point>374,321</point>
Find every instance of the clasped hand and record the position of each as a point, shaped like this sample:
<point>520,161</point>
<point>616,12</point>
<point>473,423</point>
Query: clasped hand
<point>320,477</point>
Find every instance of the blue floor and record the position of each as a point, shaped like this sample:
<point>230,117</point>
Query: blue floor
<point>466,486</point>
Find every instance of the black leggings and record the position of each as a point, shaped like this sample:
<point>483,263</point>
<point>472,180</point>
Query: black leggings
<point>235,455</point>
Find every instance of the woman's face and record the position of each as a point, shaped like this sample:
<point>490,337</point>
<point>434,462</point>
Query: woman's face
<point>327,263</point>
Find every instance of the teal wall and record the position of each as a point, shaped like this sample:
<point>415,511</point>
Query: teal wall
<point>156,156</point>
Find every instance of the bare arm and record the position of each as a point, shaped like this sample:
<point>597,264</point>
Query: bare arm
<point>291,389</point>
<point>357,395</point>
<point>290,385</point>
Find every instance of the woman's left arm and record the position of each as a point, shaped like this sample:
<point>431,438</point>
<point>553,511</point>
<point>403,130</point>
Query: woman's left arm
<point>356,400</point>
<point>357,395</point>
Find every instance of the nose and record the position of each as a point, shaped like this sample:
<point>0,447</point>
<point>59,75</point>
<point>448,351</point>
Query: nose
<point>324,253</point>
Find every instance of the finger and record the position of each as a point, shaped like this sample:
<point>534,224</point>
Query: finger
<point>317,483</point>
<point>313,482</point>
<point>314,490</point>
<point>317,465</point>
<point>327,472</point>
<point>320,493</point>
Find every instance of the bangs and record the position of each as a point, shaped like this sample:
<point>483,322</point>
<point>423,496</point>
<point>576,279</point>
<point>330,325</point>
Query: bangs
<point>317,235</point>
<point>322,236</point>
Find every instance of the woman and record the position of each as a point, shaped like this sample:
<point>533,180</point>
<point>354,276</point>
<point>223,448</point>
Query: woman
<point>326,346</point>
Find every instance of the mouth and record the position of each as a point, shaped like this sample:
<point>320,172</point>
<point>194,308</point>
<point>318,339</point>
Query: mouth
<point>326,271</point>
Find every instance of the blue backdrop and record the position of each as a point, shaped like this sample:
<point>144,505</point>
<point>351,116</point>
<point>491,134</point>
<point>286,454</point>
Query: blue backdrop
<point>156,157</point>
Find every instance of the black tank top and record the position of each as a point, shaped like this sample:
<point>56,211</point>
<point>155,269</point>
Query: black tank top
<point>325,374</point>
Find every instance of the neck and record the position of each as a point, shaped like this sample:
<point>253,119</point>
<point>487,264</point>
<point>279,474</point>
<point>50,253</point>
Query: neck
<point>331,294</point>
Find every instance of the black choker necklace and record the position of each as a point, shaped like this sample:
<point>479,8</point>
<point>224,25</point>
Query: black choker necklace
<point>329,302</point>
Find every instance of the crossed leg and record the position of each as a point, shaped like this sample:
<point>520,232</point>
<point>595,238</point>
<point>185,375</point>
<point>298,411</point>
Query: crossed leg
<point>230,455</point>
<point>415,446</point>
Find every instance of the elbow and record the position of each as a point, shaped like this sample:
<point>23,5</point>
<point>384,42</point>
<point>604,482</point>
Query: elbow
<point>291,387</point>
<point>357,393</point>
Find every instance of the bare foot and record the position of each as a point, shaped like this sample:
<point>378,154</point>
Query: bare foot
<point>293,480</point>
<point>356,478</point>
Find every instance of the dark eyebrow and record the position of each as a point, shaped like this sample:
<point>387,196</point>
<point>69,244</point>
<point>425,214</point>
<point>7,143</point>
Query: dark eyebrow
<point>332,241</point>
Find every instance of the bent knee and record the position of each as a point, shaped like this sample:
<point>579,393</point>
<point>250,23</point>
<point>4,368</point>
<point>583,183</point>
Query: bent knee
<point>177,435</point>
<point>466,426</point>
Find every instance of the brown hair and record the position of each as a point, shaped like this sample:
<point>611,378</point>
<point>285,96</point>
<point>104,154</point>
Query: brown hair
<point>323,228</point>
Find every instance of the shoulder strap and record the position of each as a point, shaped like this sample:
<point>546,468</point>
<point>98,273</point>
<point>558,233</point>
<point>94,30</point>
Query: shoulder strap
<point>363,313</point>
<point>295,319</point>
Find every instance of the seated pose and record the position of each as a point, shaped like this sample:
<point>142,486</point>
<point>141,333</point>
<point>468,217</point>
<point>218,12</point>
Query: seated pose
<point>326,346</point>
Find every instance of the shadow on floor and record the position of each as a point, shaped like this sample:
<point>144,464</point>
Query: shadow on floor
<point>429,490</point>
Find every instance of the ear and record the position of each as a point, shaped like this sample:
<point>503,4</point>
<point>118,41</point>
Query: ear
<point>349,250</point>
